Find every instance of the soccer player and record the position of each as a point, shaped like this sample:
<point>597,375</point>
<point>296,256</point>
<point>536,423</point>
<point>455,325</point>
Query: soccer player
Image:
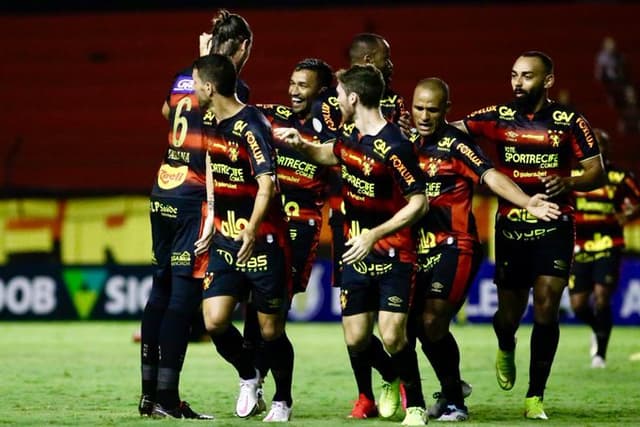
<point>600,217</point>
<point>249,251</point>
<point>449,251</point>
<point>303,184</point>
<point>177,215</point>
<point>373,49</point>
<point>383,192</point>
<point>230,36</point>
<point>536,141</point>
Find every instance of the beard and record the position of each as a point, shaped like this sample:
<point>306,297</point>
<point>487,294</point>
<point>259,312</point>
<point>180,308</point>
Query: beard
<point>528,100</point>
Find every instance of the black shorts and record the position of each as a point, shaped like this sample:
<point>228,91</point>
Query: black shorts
<point>376,286</point>
<point>266,276</point>
<point>524,253</point>
<point>176,224</point>
<point>304,247</point>
<point>447,272</point>
<point>337,246</point>
<point>590,268</point>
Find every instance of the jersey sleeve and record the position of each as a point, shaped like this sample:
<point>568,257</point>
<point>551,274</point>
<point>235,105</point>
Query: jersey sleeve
<point>260,145</point>
<point>480,122</point>
<point>402,161</point>
<point>631,188</point>
<point>583,141</point>
<point>476,164</point>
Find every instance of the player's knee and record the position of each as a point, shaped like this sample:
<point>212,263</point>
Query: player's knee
<point>394,341</point>
<point>215,325</point>
<point>435,328</point>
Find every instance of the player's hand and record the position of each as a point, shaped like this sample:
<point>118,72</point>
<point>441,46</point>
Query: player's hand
<point>404,121</point>
<point>555,185</point>
<point>204,242</point>
<point>204,44</point>
<point>248,238</point>
<point>359,247</point>
<point>541,209</point>
<point>289,135</point>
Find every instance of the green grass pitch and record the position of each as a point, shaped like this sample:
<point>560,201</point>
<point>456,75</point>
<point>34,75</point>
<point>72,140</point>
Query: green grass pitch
<point>87,373</point>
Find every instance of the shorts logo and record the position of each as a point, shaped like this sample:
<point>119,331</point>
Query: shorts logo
<point>437,287</point>
<point>560,264</point>
<point>372,270</point>
<point>170,177</point>
<point>527,235</point>
<point>395,301</point>
<point>208,278</point>
<point>180,259</point>
<point>344,297</point>
<point>274,303</point>
<point>254,264</point>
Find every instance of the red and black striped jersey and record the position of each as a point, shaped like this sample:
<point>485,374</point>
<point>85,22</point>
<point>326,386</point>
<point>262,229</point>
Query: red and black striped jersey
<point>303,184</point>
<point>327,112</point>
<point>181,172</point>
<point>597,227</point>
<point>378,172</point>
<point>531,146</point>
<point>452,164</point>
<point>241,150</point>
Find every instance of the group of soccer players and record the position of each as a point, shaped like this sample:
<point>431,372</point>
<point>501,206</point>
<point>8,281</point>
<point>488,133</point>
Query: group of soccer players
<point>237,208</point>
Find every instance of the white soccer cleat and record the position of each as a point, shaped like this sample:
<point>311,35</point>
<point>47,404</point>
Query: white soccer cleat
<point>598,362</point>
<point>247,404</point>
<point>280,413</point>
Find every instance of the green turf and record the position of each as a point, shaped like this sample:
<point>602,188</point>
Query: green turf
<point>88,374</point>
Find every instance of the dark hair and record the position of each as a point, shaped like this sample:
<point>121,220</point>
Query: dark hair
<point>219,71</point>
<point>543,57</point>
<point>366,81</point>
<point>364,44</point>
<point>228,32</point>
<point>323,71</point>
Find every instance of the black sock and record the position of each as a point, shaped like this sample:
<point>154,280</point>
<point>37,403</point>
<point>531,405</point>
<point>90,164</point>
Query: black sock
<point>506,337</point>
<point>444,356</point>
<point>151,320</point>
<point>544,343</point>
<point>585,315</point>
<point>602,329</point>
<point>279,355</point>
<point>253,339</point>
<point>361,367</point>
<point>405,363</point>
<point>168,381</point>
<point>380,359</point>
<point>229,346</point>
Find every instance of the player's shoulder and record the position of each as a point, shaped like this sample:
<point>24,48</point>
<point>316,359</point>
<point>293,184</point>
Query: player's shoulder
<point>276,112</point>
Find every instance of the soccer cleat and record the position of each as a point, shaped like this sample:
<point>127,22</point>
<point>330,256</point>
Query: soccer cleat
<point>247,403</point>
<point>415,416</point>
<point>181,411</point>
<point>533,408</point>
<point>280,413</point>
<point>454,413</point>
<point>439,407</point>
<point>506,369</point>
<point>145,407</point>
<point>364,408</point>
<point>598,362</point>
<point>389,399</point>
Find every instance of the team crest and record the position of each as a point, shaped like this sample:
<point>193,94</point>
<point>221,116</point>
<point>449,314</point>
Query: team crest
<point>343,298</point>
<point>367,166</point>
<point>208,278</point>
<point>554,137</point>
<point>232,151</point>
<point>432,169</point>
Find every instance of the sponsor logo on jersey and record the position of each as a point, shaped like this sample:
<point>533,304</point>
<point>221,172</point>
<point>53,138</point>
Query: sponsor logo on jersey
<point>484,110</point>
<point>562,117</point>
<point>586,131</point>
<point>170,177</point>
<point>183,85</point>
<point>258,155</point>
<point>506,113</point>
<point>399,166</point>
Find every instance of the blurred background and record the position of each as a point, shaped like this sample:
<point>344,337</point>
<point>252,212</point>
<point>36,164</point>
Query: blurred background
<point>82,134</point>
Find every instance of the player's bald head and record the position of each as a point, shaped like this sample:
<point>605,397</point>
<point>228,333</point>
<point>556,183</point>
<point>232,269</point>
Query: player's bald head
<point>364,44</point>
<point>435,85</point>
